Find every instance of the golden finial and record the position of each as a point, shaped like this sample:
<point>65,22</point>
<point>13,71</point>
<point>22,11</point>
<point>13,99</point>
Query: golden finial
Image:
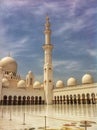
<point>47,24</point>
<point>47,19</point>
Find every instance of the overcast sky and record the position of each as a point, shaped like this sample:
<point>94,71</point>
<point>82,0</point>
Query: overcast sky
<point>74,36</point>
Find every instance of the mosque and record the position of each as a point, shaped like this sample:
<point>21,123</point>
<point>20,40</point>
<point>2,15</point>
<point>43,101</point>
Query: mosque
<point>16,91</point>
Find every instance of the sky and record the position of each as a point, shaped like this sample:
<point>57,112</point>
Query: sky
<point>74,36</point>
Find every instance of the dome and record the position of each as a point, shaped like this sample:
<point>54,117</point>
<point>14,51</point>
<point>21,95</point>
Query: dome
<point>21,84</point>
<point>8,64</point>
<point>71,81</point>
<point>36,84</point>
<point>60,84</point>
<point>87,79</point>
<point>5,82</point>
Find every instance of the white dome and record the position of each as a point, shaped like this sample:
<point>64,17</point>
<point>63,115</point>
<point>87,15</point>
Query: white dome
<point>71,82</point>
<point>5,82</point>
<point>21,84</point>
<point>87,79</point>
<point>36,84</point>
<point>60,84</point>
<point>8,64</point>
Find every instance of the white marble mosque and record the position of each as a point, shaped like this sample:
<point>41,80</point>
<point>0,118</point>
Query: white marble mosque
<point>16,91</point>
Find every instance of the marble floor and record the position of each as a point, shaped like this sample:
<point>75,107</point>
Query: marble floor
<point>53,116</point>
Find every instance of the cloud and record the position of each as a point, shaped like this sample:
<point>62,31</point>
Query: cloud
<point>67,64</point>
<point>92,52</point>
<point>12,45</point>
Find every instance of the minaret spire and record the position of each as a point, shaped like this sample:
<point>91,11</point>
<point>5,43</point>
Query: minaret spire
<point>47,31</point>
<point>48,69</point>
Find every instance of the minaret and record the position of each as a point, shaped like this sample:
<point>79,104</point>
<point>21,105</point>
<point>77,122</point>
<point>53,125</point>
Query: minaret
<point>48,69</point>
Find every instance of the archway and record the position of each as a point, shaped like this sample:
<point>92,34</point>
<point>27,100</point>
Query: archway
<point>79,100</point>
<point>67,99</point>
<point>32,100</point>
<point>24,100</point>
<point>57,99</point>
<point>54,99</point>
<point>40,100</point>
<point>19,100</point>
<point>4,102</point>
<point>36,100</point>
<point>60,99</point>
<point>83,99</point>
<point>88,98</point>
<point>15,100</point>
<point>71,100</point>
<point>10,100</point>
<point>93,98</point>
<point>75,100</point>
<point>64,101</point>
<point>28,100</point>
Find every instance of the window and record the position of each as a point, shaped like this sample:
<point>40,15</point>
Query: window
<point>30,81</point>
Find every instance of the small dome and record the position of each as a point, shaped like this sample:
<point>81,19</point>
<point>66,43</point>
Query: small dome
<point>87,79</point>
<point>60,84</point>
<point>5,82</point>
<point>36,84</point>
<point>21,84</point>
<point>8,64</point>
<point>71,81</point>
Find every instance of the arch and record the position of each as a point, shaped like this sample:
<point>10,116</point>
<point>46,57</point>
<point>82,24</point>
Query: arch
<point>15,100</point>
<point>60,99</point>
<point>64,100</point>
<point>67,99</point>
<point>24,100</point>
<point>75,100</point>
<point>40,100</point>
<point>4,102</point>
<point>88,98</point>
<point>10,100</point>
<point>28,100</point>
<point>79,99</point>
<point>36,100</point>
<point>71,99</point>
<point>19,100</point>
<point>57,99</point>
<point>93,99</point>
<point>32,100</point>
<point>83,99</point>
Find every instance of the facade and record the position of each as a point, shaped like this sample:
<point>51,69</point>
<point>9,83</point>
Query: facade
<point>17,91</point>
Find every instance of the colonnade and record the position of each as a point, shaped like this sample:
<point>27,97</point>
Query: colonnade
<point>22,100</point>
<point>75,99</point>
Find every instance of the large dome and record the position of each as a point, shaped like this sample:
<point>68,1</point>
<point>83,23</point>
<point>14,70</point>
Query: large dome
<point>87,79</point>
<point>8,64</point>
<point>71,81</point>
<point>60,84</point>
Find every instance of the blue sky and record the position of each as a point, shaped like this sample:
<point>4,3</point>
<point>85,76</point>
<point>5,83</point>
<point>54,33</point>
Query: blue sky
<point>74,36</point>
